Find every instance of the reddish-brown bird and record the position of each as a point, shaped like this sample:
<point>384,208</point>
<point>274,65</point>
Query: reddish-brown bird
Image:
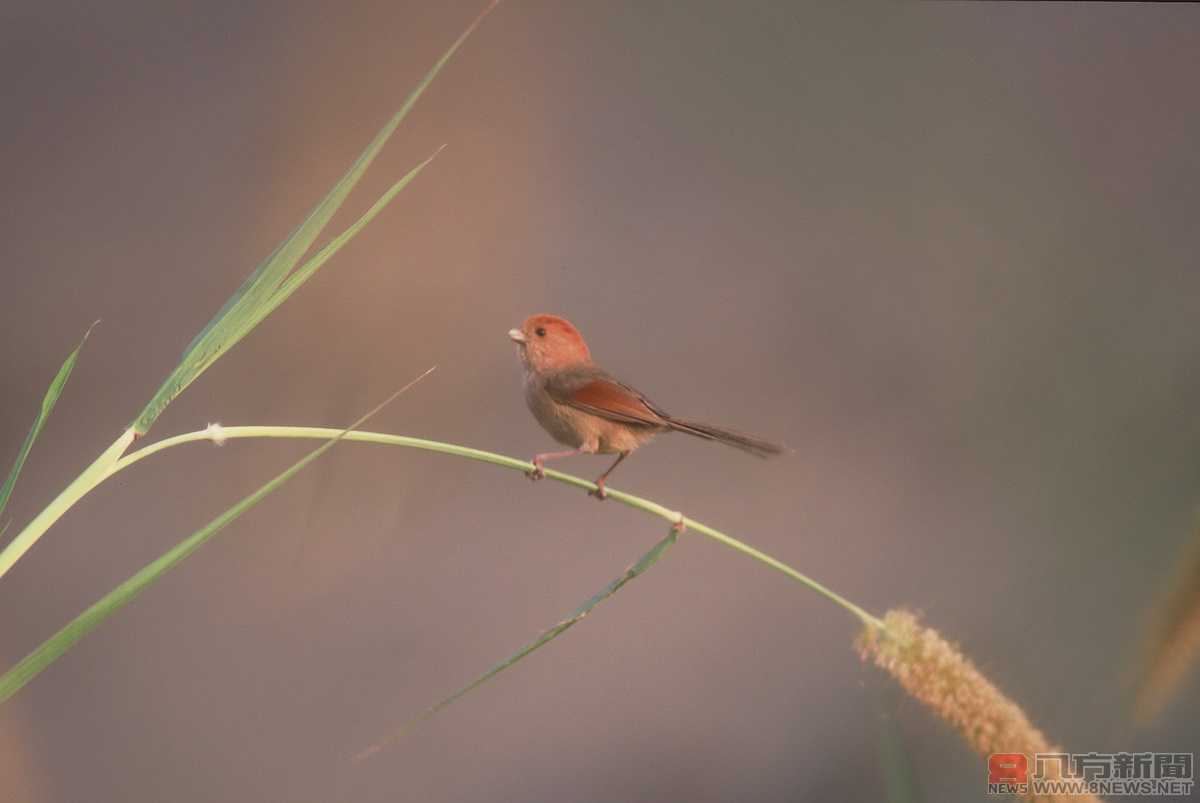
<point>586,408</point>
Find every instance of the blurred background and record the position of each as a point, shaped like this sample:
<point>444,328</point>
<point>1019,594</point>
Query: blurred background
<point>946,252</point>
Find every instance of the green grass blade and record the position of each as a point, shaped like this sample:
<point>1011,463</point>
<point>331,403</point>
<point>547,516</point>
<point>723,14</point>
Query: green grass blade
<point>250,281</point>
<point>643,563</point>
<point>54,647</point>
<point>48,401</point>
<point>302,274</point>
<point>253,300</point>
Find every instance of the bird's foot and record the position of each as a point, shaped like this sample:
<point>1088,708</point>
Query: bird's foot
<point>599,492</point>
<point>679,526</point>
<point>537,472</point>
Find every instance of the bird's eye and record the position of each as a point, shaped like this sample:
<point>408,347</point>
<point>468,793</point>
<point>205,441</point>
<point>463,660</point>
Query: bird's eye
<point>540,331</point>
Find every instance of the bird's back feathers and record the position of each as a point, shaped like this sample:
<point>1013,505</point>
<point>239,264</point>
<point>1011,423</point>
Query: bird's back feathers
<point>594,391</point>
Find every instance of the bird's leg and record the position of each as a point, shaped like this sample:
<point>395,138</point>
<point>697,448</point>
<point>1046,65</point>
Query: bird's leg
<point>538,459</point>
<point>600,493</point>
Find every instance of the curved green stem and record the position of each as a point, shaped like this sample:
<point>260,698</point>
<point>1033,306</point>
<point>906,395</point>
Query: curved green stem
<point>219,434</point>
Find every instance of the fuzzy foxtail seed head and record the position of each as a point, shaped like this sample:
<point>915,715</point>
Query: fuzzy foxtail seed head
<point>934,672</point>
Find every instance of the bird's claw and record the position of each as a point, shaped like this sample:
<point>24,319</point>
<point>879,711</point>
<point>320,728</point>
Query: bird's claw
<point>679,526</point>
<point>537,472</point>
<point>599,492</point>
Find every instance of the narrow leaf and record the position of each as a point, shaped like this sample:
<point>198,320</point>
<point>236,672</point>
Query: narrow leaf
<point>48,401</point>
<point>245,309</point>
<point>302,274</point>
<point>53,648</point>
<point>643,563</point>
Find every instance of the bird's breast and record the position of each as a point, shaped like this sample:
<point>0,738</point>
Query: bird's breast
<point>557,419</point>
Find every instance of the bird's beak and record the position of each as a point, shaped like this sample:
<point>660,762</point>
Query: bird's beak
<point>516,335</point>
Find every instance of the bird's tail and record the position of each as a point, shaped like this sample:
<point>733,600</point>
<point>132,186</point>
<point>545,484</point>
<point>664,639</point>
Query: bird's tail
<point>747,443</point>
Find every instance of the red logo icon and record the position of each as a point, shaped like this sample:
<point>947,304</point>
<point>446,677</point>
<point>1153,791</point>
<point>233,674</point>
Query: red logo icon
<point>1008,768</point>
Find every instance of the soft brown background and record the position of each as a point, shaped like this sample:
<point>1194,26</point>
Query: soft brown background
<point>947,252</point>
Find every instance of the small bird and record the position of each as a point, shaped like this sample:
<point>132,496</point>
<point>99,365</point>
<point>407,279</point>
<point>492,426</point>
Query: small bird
<point>586,408</point>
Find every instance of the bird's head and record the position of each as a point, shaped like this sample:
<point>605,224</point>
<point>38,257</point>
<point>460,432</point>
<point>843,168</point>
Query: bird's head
<point>549,343</point>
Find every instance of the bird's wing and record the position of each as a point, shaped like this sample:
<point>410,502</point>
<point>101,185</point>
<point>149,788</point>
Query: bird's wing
<point>599,394</point>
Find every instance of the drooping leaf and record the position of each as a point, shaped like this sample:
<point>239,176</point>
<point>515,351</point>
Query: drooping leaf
<point>643,563</point>
<point>48,401</point>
